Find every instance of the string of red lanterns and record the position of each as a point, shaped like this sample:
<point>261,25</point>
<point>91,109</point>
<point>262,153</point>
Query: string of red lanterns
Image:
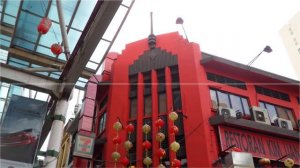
<point>146,145</point>
<point>43,28</point>
<point>127,145</point>
<point>116,140</point>
<point>174,146</point>
<point>160,137</point>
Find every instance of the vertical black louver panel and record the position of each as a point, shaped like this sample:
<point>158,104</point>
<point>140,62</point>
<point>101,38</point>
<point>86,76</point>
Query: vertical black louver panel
<point>132,138</point>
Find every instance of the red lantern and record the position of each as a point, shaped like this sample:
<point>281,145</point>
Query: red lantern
<point>125,161</point>
<point>146,144</point>
<point>174,129</point>
<point>129,128</point>
<point>161,153</point>
<point>117,140</point>
<point>44,26</point>
<point>176,163</point>
<point>159,123</point>
<point>56,49</point>
<point>236,149</point>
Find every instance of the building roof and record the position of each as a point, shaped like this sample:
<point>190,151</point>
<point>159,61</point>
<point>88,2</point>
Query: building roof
<point>208,58</point>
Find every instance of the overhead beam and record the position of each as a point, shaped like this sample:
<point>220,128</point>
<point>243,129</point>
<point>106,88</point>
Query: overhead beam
<point>28,80</point>
<point>94,31</point>
<point>43,61</point>
<point>6,30</point>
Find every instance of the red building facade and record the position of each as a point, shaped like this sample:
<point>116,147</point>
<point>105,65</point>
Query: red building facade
<point>146,83</point>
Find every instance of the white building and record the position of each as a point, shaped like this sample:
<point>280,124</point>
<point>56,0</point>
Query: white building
<point>290,34</point>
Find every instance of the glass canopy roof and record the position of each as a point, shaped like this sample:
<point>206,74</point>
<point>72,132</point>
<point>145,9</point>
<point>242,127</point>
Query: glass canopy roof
<point>21,18</point>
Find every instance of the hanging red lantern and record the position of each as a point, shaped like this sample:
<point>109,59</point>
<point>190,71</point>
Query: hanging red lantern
<point>146,144</point>
<point>44,26</point>
<point>129,128</point>
<point>159,123</point>
<point>56,49</point>
<point>161,153</point>
<point>174,129</point>
<point>176,163</point>
<point>117,140</point>
<point>125,161</point>
<point>236,149</point>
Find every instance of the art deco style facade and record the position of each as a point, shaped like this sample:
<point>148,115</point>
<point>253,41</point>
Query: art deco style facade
<point>220,104</point>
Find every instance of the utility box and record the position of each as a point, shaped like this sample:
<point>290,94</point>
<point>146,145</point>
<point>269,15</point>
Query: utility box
<point>238,160</point>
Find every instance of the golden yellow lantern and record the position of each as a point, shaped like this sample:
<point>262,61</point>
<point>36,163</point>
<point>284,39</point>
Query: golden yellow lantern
<point>175,146</point>
<point>128,145</point>
<point>116,156</point>
<point>147,161</point>
<point>161,166</point>
<point>131,166</point>
<point>289,162</point>
<point>146,128</point>
<point>264,161</point>
<point>117,126</point>
<point>173,116</point>
<point>160,137</point>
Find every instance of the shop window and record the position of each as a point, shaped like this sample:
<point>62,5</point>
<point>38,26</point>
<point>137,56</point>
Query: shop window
<point>102,123</point>
<point>226,80</point>
<point>272,93</point>
<point>229,100</point>
<point>278,111</point>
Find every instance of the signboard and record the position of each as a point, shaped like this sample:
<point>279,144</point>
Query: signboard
<point>84,146</point>
<point>258,144</point>
<point>20,130</point>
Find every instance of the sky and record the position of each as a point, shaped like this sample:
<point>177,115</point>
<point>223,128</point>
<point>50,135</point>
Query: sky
<point>237,30</point>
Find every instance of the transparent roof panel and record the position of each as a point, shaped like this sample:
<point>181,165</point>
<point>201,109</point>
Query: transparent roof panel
<point>9,20</point>
<point>26,28</point>
<point>83,13</point>
<point>12,7</point>
<point>73,37</point>
<point>38,7</point>
<point>23,18</point>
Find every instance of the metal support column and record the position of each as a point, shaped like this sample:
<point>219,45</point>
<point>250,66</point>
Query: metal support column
<point>57,131</point>
<point>63,29</point>
<point>59,117</point>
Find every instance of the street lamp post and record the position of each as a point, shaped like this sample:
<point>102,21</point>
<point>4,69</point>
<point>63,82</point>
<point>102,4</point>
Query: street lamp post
<point>267,49</point>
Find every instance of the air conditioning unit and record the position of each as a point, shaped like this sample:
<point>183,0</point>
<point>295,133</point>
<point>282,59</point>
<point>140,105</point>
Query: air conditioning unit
<point>225,111</point>
<point>283,123</point>
<point>260,115</point>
